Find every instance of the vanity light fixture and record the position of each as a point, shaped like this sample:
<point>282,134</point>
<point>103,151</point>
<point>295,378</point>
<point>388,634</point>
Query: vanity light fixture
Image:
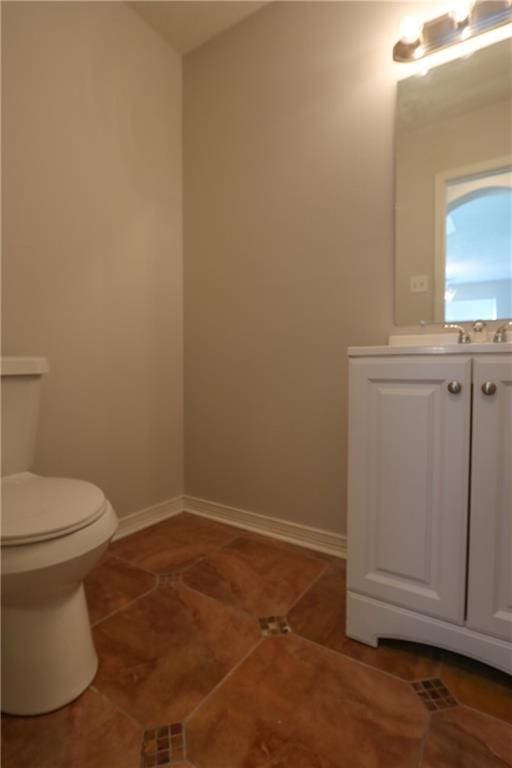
<point>467,27</point>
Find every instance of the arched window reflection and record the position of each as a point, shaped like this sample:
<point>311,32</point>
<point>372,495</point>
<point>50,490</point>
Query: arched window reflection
<point>479,255</point>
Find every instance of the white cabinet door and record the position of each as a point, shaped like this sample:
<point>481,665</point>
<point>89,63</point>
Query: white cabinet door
<point>490,530</point>
<point>408,482</point>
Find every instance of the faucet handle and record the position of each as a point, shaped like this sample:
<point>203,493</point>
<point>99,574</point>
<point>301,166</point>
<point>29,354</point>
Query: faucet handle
<point>464,337</point>
<point>501,333</point>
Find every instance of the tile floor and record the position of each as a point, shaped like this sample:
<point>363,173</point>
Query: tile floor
<point>220,648</point>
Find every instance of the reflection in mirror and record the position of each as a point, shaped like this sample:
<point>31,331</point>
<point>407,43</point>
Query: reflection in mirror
<point>477,266</point>
<point>453,259</point>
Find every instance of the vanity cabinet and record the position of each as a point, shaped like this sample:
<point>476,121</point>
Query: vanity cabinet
<point>430,500</point>
<point>489,597</point>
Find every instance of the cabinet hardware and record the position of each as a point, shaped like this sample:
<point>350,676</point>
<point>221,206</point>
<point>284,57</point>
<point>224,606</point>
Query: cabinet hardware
<point>488,387</point>
<point>454,387</point>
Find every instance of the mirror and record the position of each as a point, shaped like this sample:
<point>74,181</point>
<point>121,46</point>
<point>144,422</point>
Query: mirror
<point>453,187</point>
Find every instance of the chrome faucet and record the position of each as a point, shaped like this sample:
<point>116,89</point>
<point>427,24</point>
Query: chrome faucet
<point>501,334</point>
<point>464,337</point>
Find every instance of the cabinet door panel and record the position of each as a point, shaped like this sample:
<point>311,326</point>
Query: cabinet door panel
<point>490,549</point>
<point>409,464</point>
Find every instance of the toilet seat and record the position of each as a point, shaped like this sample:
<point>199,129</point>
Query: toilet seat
<point>36,509</point>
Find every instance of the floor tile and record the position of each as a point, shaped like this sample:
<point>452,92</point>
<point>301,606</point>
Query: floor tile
<point>173,544</point>
<point>291,703</point>
<point>112,584</point>
<point>477,685</point>
<point>434,694</point>
<point>288,546</point>
<point>255,575</point>
<point>89,733</point>
<point>160,656</point>
<point>463,738</point>
<point>163,746</point>
<point>320,616</point>
<point>273,625</point>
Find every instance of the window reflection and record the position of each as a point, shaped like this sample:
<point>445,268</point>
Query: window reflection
<point>478,247</point>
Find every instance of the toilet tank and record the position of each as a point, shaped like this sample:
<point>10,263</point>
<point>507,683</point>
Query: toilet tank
<point>21,384</point>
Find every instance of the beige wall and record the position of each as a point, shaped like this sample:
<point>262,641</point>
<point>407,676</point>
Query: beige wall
<point>289,122</point>
<point>288,157</point>
<point>92,244</point>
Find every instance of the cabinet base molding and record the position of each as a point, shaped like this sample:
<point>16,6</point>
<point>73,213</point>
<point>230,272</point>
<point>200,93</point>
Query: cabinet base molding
<point>369,619</point>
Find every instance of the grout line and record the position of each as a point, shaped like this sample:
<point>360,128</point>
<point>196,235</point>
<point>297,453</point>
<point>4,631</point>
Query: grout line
<point>132,565</point>
<point>224,679</point>
<point>194,765</point>
<point>461,706</point>
<point>240,609</point>
<point>126,605</point>
<point>331,651</point>
<point>184,740</point>
<point>305,591</point>
<point>179,572</point>
<point>190,765</point>
<point>117,707</point>
<point>481,712</point>
<point>284,545</point>
<point>200,559</point>
<point>226,606</point>
<point>184,569</point>
<point>423,742</point>
<point>187,567</point>
<point>234,533</point>
<point>238,533</point>
<point>247,535</point>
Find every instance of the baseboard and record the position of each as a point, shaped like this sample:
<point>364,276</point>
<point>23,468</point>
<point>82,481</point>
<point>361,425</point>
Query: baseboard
<point>149,516</point>
<point>295,533</point>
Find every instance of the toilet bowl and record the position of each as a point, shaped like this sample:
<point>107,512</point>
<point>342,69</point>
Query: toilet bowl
<point>53,532</point>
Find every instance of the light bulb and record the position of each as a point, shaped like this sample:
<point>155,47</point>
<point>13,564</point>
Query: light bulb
<point>460,50</point>
<point>461,10</point>
<point>410,29</point>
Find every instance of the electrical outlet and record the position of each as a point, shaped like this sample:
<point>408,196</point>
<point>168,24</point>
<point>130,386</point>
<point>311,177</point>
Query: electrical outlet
<point>419,284</point>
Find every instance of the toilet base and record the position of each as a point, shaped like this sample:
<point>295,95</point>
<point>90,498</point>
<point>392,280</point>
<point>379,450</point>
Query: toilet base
<point>48,656</point>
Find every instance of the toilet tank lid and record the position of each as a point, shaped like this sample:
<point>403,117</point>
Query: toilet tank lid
<point>24,366</point>
<point>36,508</point>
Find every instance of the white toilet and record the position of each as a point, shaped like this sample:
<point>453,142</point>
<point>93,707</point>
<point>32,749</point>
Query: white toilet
<point>53,532</point>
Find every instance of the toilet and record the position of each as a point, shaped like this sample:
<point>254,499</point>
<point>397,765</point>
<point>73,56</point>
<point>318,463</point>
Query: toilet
<point>53,532</point>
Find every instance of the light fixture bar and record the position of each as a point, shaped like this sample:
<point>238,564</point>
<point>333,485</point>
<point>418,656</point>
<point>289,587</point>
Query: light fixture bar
<point>459,27</point>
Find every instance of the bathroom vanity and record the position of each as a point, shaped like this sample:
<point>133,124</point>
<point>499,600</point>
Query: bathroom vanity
<point>430,496</point>
<point>430,489</point>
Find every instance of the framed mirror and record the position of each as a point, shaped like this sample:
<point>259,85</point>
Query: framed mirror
<point>453,235</point>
